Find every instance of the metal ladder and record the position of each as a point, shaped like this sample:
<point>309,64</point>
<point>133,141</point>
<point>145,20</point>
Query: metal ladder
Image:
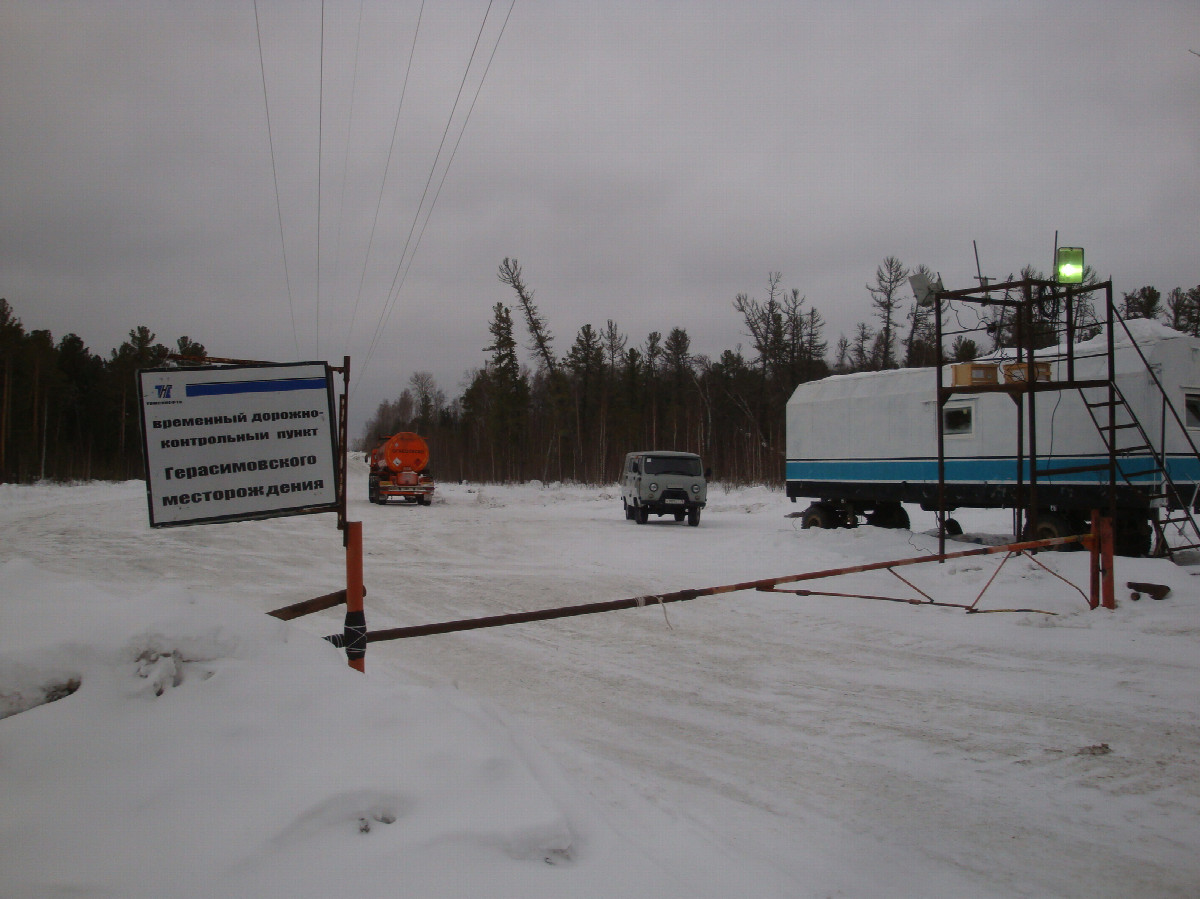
<point>1178,520</point>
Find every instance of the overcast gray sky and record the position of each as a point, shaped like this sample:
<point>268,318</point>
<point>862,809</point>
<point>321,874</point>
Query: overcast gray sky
<point>644,161</point>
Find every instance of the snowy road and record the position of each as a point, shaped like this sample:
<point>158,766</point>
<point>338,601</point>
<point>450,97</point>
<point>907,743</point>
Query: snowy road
<point>836,746</point>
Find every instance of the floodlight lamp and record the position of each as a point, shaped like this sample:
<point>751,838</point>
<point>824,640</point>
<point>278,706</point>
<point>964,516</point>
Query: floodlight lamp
<point>925,290</point>
<point>1069,265</point>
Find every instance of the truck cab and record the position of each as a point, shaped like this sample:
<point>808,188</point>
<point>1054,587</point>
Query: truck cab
<point>663,482</point>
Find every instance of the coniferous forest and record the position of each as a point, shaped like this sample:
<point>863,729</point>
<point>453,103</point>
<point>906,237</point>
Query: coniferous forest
<point>569,413</point>
<point>67,413</point>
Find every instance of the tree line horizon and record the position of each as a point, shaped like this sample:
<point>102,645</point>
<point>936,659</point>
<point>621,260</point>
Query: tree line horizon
<point>68,414</point>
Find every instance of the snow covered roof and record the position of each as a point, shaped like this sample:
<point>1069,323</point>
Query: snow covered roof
<point>1151,336</point>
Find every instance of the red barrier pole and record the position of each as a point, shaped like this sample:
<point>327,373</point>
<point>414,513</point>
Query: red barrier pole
<point>1108,596</point>
<point>1103,592</point>
<point>356,622</point>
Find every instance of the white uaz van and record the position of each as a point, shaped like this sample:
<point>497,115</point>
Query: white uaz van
<point>663,483</point>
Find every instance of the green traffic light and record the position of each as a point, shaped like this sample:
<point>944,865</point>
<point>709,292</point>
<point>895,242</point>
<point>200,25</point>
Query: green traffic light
<point>1070,265</point>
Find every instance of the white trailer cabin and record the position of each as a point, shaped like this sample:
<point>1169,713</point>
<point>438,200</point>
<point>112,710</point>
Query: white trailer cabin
<point>866,443</point>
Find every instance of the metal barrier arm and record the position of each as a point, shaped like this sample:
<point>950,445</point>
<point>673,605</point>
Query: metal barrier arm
<point>765,585</point>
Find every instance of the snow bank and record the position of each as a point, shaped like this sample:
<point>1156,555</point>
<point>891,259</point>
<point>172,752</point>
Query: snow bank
<point>208,750</point>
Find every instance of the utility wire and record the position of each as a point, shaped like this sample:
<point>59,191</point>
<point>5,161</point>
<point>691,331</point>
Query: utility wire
<point>389,304</point>
<point>450,161</point>
<point>433,168</point>
<point>337,250</point>
<point>275,176</point>
<point>386,168</point>
<point>320,141</point>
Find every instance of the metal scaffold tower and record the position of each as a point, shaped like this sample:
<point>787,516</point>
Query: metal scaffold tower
<point>1037,321</point>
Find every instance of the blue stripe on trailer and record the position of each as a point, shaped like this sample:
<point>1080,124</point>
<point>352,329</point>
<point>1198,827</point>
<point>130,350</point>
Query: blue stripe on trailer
<point>222,388</point>
<point>982,470</point>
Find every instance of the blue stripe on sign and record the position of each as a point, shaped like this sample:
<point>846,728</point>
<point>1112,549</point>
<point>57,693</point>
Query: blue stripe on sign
<point>220,388</point>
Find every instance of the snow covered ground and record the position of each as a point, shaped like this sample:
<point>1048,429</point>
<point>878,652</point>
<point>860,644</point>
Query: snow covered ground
<point>752,744</point>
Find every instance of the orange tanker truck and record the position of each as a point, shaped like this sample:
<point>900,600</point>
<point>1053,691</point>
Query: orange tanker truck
<point>398,467</point>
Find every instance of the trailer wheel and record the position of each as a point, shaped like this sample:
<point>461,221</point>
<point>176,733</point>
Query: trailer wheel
<point>1048,526</point>
<point>953,528</point>
<point>373,490</point>
<point>818,515</point>
<point>889,515</point>
<point>1132,535</point>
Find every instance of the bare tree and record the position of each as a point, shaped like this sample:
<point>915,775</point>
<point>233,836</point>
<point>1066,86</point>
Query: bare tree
<point>1145,302</point>
<point>614,344</point>
<point>429,398</point>
<point>919,346</point>
<point>889,278</point>
<point>841,356</point>
<point>862,356</point>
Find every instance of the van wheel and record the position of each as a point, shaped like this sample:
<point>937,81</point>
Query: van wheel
<point>693,517</point>
<point>628,511</point>
<point>679,516</point>
<point>641,516</point>
<point>818,515</point>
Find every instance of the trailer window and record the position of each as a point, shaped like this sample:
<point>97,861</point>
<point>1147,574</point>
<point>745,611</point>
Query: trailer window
<point>958,421</point>
<point>1191,405</point>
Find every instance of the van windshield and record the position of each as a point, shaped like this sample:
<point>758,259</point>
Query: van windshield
<point>684,465</point>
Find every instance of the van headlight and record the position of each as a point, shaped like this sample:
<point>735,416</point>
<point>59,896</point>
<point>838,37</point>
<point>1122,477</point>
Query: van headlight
<point>695,488</point>
<point>653,487</point>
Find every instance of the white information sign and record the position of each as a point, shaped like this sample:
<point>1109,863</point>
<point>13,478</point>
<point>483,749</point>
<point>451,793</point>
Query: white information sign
<point>239,442</point>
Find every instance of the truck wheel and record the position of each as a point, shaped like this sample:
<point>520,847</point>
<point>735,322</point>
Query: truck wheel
<point>693,517</point>
<point>818,515</point>
<point>641,516</point>
<point>372,490</point>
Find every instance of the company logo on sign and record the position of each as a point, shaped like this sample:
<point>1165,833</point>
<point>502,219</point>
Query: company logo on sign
<point>163,391</point>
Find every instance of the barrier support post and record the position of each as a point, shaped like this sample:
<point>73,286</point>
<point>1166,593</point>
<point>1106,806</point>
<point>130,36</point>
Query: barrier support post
<point>1103,588</point>
<point>356,622</point>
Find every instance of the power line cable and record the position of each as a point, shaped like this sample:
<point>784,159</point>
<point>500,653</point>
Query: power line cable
<point>386,168</point>
<point>320,141</point>
<point>389,302</point>
<point>453,153</point>
<point>337,250</point>
<point>393,292</point>
<point>275,177</point>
